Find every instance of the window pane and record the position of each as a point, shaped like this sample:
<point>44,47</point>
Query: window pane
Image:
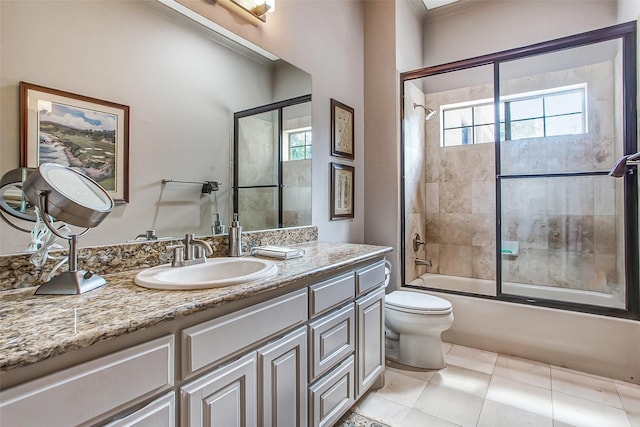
<point>457,118</point>
<point>565,125</point>
<point>526,109</point>
<point>563,104</point>
<point>297,153</point>
<point>461,136</point>
<point>527,129</point>
<point>484,134</point>
<point>308,152</point>
<point>296,139</point>
<point>483,115</point>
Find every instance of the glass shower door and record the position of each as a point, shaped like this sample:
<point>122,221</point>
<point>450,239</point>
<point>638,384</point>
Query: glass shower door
<point>561,216</point>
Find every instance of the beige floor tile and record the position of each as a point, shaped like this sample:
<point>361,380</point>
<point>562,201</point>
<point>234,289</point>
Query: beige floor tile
<point>450,405</point>
<point>471,358</point>
<point>596,389</point>
<point>380,409</point>
<point>634,419</point>
<point>464,380</point>
<point>495,414</point>
<point>519,395</point>
<point>580,412</point>
<point>416,418</point>
<point>410,371</point>
<point>400,388</point>
<point>630,397</point>
<point>526,371</point>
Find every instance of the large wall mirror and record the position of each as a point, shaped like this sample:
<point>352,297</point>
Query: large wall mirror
<point>507,191</point>
<point>183,86</point>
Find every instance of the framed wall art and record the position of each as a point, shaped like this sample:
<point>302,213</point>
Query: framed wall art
<point>342,191</point>
<point>342,141</point>
<point>86,134</point>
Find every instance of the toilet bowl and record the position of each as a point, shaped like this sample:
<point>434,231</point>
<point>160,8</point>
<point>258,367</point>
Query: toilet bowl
<point>414,322</point>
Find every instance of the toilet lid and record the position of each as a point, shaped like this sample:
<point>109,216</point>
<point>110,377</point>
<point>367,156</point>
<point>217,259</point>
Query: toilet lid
<point>416,301</point>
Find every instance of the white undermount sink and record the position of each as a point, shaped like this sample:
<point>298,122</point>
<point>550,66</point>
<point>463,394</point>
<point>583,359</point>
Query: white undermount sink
<point>216,272</point>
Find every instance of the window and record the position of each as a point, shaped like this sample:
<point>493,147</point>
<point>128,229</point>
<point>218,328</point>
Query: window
<point>554,112</point>
<point>297,144</point>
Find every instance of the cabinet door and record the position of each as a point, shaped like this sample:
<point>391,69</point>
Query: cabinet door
<point>159,413</point>
<point>283,381</point>
<point>370,349</point>
<point>225,397</point>
<point>332,395</point>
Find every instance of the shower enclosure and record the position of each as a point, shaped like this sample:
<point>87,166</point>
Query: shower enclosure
<point>507,184</point>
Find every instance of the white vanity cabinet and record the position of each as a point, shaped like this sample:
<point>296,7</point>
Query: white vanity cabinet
<point>159,413</point>
<point>370,321</point>
<point>91,390</point>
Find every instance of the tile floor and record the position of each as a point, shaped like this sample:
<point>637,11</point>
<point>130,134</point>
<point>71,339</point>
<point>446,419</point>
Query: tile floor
<point>485,389</point>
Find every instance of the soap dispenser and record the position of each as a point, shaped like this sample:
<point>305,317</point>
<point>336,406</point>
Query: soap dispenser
<point>235,237</point>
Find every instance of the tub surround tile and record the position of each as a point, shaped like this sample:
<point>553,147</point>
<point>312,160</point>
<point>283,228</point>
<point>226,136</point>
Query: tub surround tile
<point>455,260</point>
<point>17,272</point>
<point>455,197</point>
<point>36,328</point>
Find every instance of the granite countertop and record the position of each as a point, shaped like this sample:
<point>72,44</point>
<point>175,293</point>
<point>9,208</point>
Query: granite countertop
<point>35,328</point>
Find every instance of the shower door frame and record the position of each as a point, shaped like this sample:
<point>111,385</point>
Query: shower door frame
<point>627,33</point>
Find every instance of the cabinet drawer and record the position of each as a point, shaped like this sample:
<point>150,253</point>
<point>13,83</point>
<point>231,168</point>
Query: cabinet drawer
<point>159,413</point>
<point>369,277</point>
<point>331,337</point>
<point>332,396</point>
<point>327,295</point>
<point>212,341</point>
<point>87,391</point>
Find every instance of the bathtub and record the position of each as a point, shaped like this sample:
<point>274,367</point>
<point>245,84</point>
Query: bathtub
<point>488,287</point>
<point>590,343</point>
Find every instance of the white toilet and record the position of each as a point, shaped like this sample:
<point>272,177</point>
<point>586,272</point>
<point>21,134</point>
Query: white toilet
<point>414,323</point>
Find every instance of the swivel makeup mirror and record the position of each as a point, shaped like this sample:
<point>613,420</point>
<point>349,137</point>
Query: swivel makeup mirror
<point>13,201</point>
<point>76,199</point>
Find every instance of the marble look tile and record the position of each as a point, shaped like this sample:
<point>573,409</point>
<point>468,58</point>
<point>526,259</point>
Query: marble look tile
<point>455,197</point>
<point>383,410</point>
<point>523,370</point>
<point>573,270</point>
<point>605,201</point>
<point>525,196</point>
<point>634,419</point>
<point>432,231</point>
<point>401,388</point>
<point>530,231</point>
<point>464,380</point>
<point>483,262</point>
<point>483,197</point>
<point>494,414</point>
<point>432,198</point>
<point>523,157</point>
<point>417,418</point>
<point>450,405</point>
<point>571,233</point>
<point>472,358</point>
<point>483,231</point>
<point>455,228</point>
<point>530,266</point>
<point>570,196</point>
<point>586,413</point>
<point>455,260</point>
<point>432,253</point>
<point>446,347</point>
<point>602,391</point>
<point>605,239</point>
<point>529,398</point>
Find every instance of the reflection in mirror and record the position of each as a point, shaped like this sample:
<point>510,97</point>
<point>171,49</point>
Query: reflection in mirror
<point>13,201</point>
<point>512,194</point>
<point>272,165</point>
<point>182,85</point>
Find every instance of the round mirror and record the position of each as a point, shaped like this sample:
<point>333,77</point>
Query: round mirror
<point>12,199</point>
<point>71,196</point>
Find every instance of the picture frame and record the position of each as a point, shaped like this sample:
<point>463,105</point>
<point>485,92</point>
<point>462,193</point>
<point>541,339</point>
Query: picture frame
<point>342,130</point>
<point>342,191</point>
<point>90,135</point>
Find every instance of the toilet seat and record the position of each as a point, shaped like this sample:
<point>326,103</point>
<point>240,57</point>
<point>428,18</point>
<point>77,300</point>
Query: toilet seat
<point>417,303</point>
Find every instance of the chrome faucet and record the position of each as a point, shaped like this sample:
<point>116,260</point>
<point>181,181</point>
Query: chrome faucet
<point>417,242</point>
<point>420,261</point>
<point>190,252</point>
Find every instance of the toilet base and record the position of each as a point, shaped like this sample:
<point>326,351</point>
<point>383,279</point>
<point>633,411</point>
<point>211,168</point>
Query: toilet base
<point>421,351</point>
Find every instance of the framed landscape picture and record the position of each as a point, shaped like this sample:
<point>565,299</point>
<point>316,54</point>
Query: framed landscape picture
<point>86,134</point>
<point>342,191</point>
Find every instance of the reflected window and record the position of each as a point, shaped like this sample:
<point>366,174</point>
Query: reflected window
<point>297,144</point>
<point>540,114</point>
